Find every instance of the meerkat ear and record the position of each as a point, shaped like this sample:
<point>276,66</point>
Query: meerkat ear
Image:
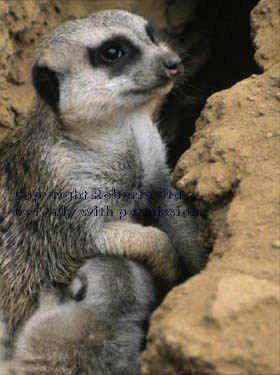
<point>78,288</point>
<point>46,82</point>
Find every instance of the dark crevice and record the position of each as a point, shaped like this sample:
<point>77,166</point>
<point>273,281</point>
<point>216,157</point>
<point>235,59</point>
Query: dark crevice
<point>225,31</point>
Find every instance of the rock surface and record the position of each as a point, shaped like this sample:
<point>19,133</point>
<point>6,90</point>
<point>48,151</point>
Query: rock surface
<point>265,21</point>
<point>226,320</point>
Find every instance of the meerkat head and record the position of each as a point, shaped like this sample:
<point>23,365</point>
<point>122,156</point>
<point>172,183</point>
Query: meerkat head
<point>102,278</point>
<point>93,67</point>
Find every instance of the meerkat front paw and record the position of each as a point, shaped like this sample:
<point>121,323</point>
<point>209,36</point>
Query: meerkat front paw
<point>149,245</point>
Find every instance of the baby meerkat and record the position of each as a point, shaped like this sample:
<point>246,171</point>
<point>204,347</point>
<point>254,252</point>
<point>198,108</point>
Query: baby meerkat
<point>98,81</point>
<point>97,328</point>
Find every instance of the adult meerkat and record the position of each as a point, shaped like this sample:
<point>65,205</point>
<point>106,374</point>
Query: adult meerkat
<point>98,81</point>
<point>97,328</point>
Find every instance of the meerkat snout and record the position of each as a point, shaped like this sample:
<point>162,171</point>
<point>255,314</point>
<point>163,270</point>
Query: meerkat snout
<point>174,67</point>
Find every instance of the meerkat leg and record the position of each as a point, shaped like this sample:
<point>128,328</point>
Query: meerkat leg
<point>148,244</point>
<point>183,233</point>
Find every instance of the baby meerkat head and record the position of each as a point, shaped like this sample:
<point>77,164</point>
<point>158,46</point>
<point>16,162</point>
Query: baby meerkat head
<point>89,69</point>
<point>113,286</point>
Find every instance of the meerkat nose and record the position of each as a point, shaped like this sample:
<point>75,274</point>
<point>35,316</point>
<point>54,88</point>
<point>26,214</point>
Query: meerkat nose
<point>174,67</point>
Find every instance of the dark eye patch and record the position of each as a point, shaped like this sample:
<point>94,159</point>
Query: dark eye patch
<point>151,32</point>
<point>115,54</point>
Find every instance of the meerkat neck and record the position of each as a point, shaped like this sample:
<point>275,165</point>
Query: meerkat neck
<point>108,131</point>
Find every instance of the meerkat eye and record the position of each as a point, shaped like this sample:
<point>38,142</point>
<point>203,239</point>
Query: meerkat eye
<point>112,53</point>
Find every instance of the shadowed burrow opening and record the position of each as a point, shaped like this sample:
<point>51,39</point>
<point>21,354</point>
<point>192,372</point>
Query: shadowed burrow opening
<point>217,50</point>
